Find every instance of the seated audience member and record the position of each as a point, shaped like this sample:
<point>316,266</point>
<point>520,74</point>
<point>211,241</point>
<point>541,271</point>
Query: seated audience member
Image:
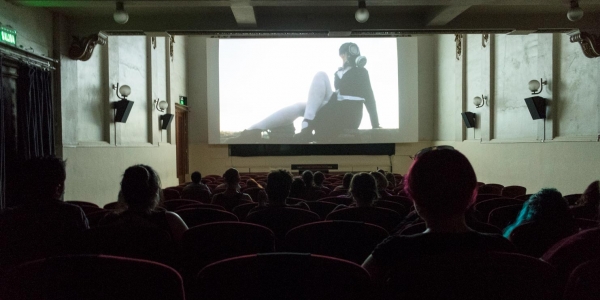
<point>572,251</point>
<point>297,188</point>
<point>140,195</point>
<point>382,184</point>
<point>193,190</point>
<point>310,189</point>
<point>391,180</point>
<point>318,178</point>
<point>278,188</point>
<point>253,183</point>
<point>363,190</point>
<point>586,206</point>
<point>442,184</point>
<point>273,211</point>
<point>548,220</point>
<point>232,196</point>
<point>43,225</point>
<point>345,183</point>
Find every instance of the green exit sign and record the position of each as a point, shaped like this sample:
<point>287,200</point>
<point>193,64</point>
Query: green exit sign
<point>8,35</point>
<point>183,100</point>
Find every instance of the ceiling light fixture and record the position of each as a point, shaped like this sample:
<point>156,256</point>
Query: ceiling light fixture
<point>575,12</point>
<point>120,15</point>
<point>362,14</point>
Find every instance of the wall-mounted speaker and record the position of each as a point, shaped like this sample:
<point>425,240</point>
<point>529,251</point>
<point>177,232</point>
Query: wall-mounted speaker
<point>469,119</point>
<point>537,107</point>
<point>123,108</point>
<point>165,121</point>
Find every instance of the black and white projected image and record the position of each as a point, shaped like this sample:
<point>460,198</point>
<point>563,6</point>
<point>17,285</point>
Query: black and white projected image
<point>307,90</point>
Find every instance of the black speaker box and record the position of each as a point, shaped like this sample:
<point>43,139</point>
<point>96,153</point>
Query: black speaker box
<point>165,121</point>
<point>537,107</point>
<point>469,119</point>
<point>123,108</point>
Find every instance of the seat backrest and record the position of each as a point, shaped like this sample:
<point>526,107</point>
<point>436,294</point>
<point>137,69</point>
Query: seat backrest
<point>174,204</point>
<point>490,188</point>
<point>170,194</point>
<point>523,197</point>
<point>348,240</point>
<point>338,193</point>
<point>584,224</point>
<point>485,207</point>
<point>282,219</point>
<point>395,206</point>
<point>482,197</point>
<point>283,276</point>
<point>589,212</point>
<point>338,200</point>
<point>112,205</point>
<point>128,241</point>
<point>92,277</point>
<point>198,216</point>
<point>535,238</point>
<point>414,229</point>
<point>321,208</point>
<point>82,203</point>
<point>208,243</point>
<point>386,218</point>
<point>513,191</point>
<point>572,198</point>
<point>203,196</point>
<point>201,205</point>
<point>95,217</point>
<point>504,215</point>
<point>584,282</point>
<point>241,211</point>
<point>468,276</point>
<point>407,202</point>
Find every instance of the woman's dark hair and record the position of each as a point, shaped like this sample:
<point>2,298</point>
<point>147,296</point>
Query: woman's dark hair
<point>363,188</point>
<point>318,178</point>
<point>382,182</point>
<point>547,205</point>
<point>591,195</point>
<point>140,187</point>
<point>442,181</point>
<point>231,176</point>
<point>346,180</point>
<point>352,50</point>
<point>297,188</point>
<point>308,178</point>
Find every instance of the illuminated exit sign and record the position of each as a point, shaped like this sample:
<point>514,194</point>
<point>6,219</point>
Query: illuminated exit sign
<point>8,35</point>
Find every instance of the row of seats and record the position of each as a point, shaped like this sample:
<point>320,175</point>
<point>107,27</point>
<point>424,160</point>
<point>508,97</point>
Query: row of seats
<point>296,276</point>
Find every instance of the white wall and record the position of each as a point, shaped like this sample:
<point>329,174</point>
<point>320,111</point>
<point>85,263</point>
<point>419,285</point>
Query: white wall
<point>559,152</point>
<point>97,149</point>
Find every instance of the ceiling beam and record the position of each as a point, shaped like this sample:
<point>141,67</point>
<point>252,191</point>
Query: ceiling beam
<point>283,3</point>
<point>443,16</point>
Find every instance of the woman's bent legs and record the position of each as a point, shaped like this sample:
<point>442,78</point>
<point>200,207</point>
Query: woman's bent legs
<point>318,95</point>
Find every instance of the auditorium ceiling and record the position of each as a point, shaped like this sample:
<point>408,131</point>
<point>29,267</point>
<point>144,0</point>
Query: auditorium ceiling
<point>324,17</point>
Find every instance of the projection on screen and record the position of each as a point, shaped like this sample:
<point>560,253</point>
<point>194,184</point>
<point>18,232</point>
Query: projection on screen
<point>303,91</point>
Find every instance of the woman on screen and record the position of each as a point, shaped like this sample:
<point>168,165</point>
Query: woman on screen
<point>326,112</point>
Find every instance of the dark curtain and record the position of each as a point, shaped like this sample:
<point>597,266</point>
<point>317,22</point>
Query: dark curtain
<point>2,144</point>
<point>34,112</point>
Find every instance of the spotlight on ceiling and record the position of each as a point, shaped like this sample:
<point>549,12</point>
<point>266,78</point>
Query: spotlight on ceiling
<point>120,15</point>
<point>362,14</point>
<point>575,12</point>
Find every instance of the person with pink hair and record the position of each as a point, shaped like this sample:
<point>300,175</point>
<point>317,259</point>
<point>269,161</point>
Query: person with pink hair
<point>442,184</point>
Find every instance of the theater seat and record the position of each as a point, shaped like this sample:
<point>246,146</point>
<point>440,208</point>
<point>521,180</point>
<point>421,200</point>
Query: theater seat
<point>198,216</point>
<point>386,218</point>
<point>283,276</point>
<point>92,277</point>
<point>490,276</point>
<point>352,241</point>
<point>584,282</point>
